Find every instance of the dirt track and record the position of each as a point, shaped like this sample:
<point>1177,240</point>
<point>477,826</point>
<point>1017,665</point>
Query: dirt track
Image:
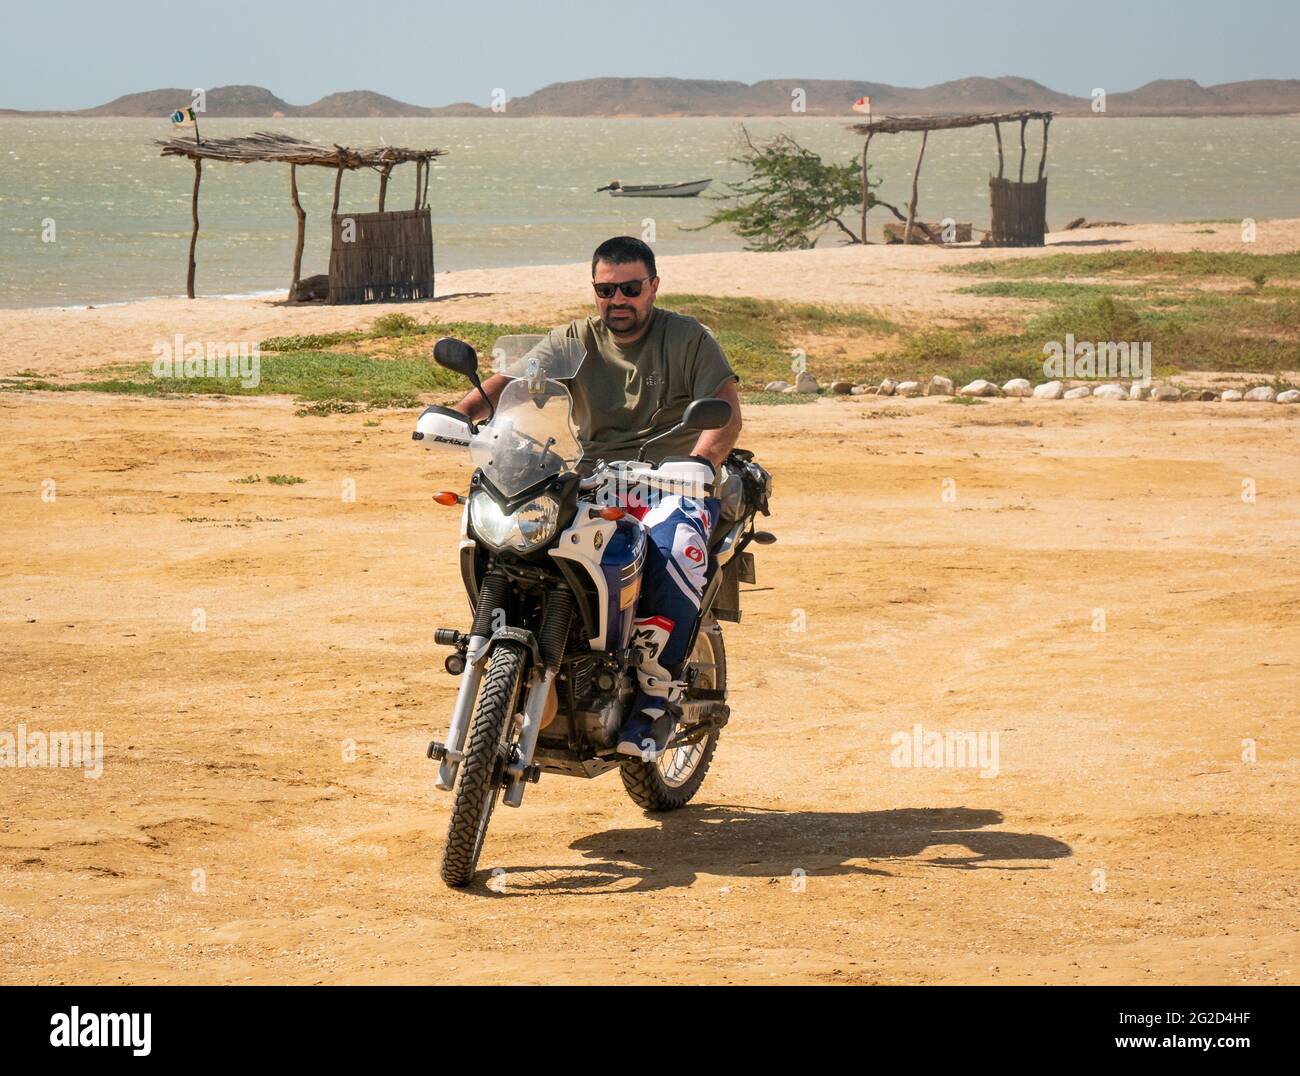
<point>1118,751</point>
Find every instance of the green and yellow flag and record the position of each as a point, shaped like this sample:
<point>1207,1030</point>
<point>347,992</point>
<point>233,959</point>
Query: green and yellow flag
<point>183,117</point>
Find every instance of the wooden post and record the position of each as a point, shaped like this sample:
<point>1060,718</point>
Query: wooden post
<point>911,209</point>
<point>1023,124</point>
<point>866,189</point>
<point>302,231</point>
<point>428,167</point>
<point>338,182</point>
<point>383,185</point>
<point>418,166</point>
<point>1042,163</point>
<point>997,130</point>
<point>194,235</point>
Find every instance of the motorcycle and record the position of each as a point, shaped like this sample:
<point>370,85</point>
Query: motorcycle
<point>552,563</point>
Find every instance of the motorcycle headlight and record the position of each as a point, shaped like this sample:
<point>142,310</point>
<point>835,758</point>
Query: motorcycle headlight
<point>531,527</point>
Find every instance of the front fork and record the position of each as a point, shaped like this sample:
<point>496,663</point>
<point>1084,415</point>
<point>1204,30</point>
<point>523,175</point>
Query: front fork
<point>520,771</point>
<point>547,649</point>
<point>454,749</point>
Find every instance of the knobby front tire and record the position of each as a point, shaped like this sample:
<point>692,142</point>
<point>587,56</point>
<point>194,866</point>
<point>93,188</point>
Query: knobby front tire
<point>479,783</point>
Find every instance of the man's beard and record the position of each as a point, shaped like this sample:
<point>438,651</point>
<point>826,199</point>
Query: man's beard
<point>625,326</point>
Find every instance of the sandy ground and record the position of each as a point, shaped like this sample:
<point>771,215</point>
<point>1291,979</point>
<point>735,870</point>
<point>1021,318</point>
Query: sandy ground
<point>229,839</point>
<point>898,281</point>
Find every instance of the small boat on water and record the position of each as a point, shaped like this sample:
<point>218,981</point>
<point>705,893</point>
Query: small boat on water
<point>656,190</point>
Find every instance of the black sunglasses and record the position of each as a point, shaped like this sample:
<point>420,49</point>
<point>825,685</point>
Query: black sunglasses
<point>630,288</point>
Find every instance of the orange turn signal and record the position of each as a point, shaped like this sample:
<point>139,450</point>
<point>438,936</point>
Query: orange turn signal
<point>446,496</point>
<point>612,514</point>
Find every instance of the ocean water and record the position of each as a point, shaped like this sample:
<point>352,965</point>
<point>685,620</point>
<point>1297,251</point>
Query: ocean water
<point>521,191</point>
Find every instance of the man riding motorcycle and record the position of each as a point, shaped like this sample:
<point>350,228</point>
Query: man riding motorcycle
<point>644,366</point>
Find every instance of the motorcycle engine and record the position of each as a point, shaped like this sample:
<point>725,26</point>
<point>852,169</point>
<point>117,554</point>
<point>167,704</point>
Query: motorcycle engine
<point>600,714</point>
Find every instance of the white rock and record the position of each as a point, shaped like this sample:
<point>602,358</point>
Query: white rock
<point>1051,390</point>
<point>1077,394</point>
<point>1017,386</point>
<point>1262,394</point>
<point>1290,396</point>
<point>887,387</point>
<point>1231,395</point>
<point>1110,392</point>
<point>776,386</point>
<point>1139,391</point>
<point>862,390</point>
<point>939,386</point>
<point>908,388</point>
<point>980,387</point>
<point>1164,394</point>
<point>805,382</point>
<point>789,389</point>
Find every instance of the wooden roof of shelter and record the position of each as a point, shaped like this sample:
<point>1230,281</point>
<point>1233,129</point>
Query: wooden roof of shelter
<point>285,149</point>
<point>946,121</point>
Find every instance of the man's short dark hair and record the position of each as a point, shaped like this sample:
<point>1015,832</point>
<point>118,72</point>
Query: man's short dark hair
<point>623,250</point>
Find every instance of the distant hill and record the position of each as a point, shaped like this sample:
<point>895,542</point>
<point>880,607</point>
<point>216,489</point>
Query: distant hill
<point>221,102</point>
<point>708,97</point>
<point>1168,97</point>
<point>359,103</point>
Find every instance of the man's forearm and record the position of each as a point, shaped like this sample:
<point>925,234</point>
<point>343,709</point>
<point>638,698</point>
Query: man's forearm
<point>714,445</point>
<point>473,404</point>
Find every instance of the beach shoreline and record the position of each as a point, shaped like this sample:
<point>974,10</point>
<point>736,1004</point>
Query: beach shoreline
<point>907,282</point>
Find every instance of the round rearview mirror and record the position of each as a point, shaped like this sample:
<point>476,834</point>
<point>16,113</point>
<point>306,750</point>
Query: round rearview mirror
<point>457,356</point>
<point>710,414</point>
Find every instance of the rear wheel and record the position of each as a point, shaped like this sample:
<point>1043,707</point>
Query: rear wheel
<point>484,763</point>
<point>675,775</point>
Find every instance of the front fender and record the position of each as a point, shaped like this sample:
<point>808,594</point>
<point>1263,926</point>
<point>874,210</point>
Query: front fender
<point>520,636</point>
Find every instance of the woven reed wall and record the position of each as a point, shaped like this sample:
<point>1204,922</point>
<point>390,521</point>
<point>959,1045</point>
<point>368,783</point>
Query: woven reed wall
<point>1019,212</point>
<point>390,257</point>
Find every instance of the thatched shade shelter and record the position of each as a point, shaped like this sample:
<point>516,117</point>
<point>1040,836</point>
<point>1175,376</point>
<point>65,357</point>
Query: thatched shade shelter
<point>390,256</point>
<point>1019,208</point>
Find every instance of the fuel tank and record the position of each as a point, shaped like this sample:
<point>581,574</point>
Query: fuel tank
<point>622,563</point>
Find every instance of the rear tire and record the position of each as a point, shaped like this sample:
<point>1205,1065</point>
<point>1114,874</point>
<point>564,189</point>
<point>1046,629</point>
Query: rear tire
<point>480,783</point>
<point>658,785</point>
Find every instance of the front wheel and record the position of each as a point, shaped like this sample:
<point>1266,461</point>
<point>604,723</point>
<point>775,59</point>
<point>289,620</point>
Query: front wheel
<point>483,765</point>
<point>671,780</point>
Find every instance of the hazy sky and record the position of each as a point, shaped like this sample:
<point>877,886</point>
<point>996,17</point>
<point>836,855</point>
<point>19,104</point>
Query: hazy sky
<point>65,54</point>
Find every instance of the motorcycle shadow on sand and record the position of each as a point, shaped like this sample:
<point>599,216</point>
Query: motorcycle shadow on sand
<point>753,842</point>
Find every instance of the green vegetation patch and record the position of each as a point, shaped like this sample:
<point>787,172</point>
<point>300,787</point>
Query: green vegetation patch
<point>778,398</point>
<point>760,335</point>
<point>1139,263</point>
<point>1044,289</point>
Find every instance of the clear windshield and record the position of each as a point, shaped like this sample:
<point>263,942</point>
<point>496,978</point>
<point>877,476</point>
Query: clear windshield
<point>556,357</point>
<point>530,438</point>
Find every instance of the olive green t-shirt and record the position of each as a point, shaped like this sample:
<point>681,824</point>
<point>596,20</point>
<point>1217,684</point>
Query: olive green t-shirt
<point>623,396</point>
